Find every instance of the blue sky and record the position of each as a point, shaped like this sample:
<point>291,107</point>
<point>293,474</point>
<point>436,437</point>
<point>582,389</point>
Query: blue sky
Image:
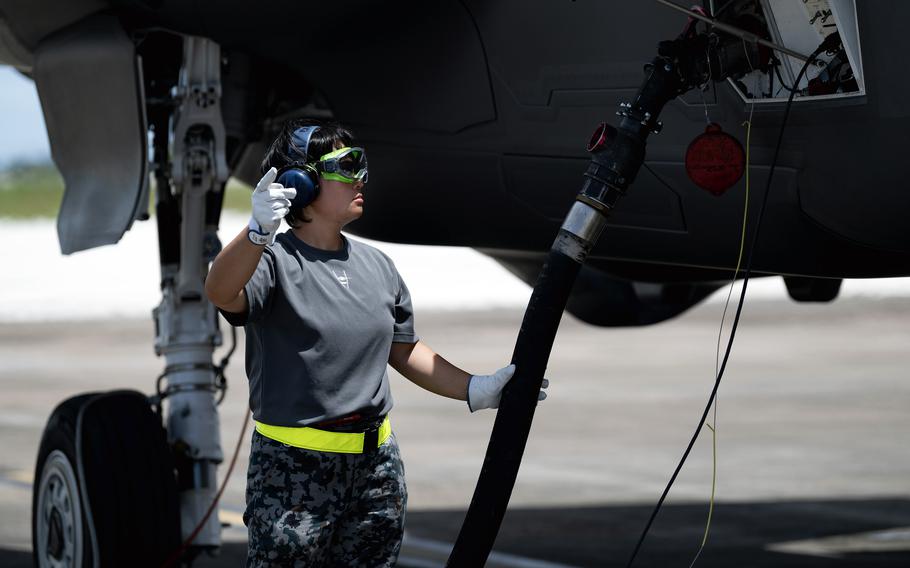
<point>22,132</point>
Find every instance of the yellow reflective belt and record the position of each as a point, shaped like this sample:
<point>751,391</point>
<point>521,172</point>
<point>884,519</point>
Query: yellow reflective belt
<point>322,440</point>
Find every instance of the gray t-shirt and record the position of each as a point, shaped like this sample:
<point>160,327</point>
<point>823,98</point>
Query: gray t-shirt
<point>319,329</point>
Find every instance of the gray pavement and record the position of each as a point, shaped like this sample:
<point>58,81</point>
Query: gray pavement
<point>813,463</point>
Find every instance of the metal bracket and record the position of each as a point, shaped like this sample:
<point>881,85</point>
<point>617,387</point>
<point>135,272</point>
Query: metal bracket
<point>198,96</point>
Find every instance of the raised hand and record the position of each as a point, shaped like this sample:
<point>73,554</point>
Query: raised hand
<point>271,202</point>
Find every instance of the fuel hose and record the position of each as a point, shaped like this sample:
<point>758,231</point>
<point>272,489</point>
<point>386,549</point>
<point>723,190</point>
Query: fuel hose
<point>616,156</point>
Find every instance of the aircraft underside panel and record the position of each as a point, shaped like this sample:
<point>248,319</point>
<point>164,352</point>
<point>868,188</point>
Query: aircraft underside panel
<point>476,115</point>
<point>24,23</point>
<point>839,192</point>
<point>393,65</point>
<point>91,94</point>
<point>854,182</point>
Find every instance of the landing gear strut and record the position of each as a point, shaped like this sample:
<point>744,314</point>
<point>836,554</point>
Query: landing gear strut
<point>186,322</point>
<point>113,486</point>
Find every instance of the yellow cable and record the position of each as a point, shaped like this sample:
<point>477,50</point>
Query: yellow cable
<point>713,425</point>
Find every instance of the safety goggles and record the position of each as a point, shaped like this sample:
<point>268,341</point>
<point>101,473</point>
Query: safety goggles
<point>348,165</point>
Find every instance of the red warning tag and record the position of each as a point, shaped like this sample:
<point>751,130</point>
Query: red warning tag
<point>715,160</point>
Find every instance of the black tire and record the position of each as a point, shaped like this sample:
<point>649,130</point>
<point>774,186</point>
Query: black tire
<point>60,439</point>
<point>127,486</point>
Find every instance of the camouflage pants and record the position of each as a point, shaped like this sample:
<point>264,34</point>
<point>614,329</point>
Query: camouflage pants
<point>307,508</point>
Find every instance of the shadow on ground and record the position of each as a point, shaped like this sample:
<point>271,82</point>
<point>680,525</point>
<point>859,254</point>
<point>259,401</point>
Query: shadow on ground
<point>605,536</point>
<point>740,533</point>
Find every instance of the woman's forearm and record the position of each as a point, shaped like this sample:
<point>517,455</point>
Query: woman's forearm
<point>425,368</point>
<point>232,269</point>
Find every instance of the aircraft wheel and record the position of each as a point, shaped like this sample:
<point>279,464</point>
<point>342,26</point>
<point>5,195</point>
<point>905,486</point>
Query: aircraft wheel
<point>59,531</point>
<point>105,490</point>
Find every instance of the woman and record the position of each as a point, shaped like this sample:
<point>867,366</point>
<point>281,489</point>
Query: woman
<point>324,315</point>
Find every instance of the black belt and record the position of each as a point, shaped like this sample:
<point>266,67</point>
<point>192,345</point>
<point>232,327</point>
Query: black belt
<point>355,423</point>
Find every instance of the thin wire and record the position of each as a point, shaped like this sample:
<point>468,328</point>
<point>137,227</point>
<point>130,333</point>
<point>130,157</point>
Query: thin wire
<point>723,317</point>
<point>739,307</point>
<point>792,89</point>
<point>713,425</point>
<point>742,241</point>
<point>749,61</point>
<point>705,104</point>
<point>704,86</point>
<point>771,85</point>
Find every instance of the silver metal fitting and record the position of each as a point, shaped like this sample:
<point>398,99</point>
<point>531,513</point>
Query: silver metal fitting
<point>584,222</point>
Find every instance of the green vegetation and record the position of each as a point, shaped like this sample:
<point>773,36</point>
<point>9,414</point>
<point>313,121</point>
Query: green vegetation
<point>36,190</point>
<point>30,190</point>
<point>237,196</point>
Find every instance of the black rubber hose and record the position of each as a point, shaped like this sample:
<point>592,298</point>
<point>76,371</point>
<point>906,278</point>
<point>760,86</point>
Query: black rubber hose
<point>516,411</point>
<point>617,155</point>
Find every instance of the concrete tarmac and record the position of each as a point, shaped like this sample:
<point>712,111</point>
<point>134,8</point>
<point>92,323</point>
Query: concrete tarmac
<point>813,464</point>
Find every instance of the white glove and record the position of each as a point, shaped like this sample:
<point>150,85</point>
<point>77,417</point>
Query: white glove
<point>271,202</point>
<point>484,391</point>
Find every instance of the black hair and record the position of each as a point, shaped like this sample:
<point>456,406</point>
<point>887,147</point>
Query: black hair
<point>283,152</point>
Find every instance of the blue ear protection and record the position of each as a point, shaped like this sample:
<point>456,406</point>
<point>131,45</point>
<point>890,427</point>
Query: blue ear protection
<point>298,174</point>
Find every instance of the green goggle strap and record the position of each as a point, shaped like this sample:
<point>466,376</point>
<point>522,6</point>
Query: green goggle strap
<point>335,153</point>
